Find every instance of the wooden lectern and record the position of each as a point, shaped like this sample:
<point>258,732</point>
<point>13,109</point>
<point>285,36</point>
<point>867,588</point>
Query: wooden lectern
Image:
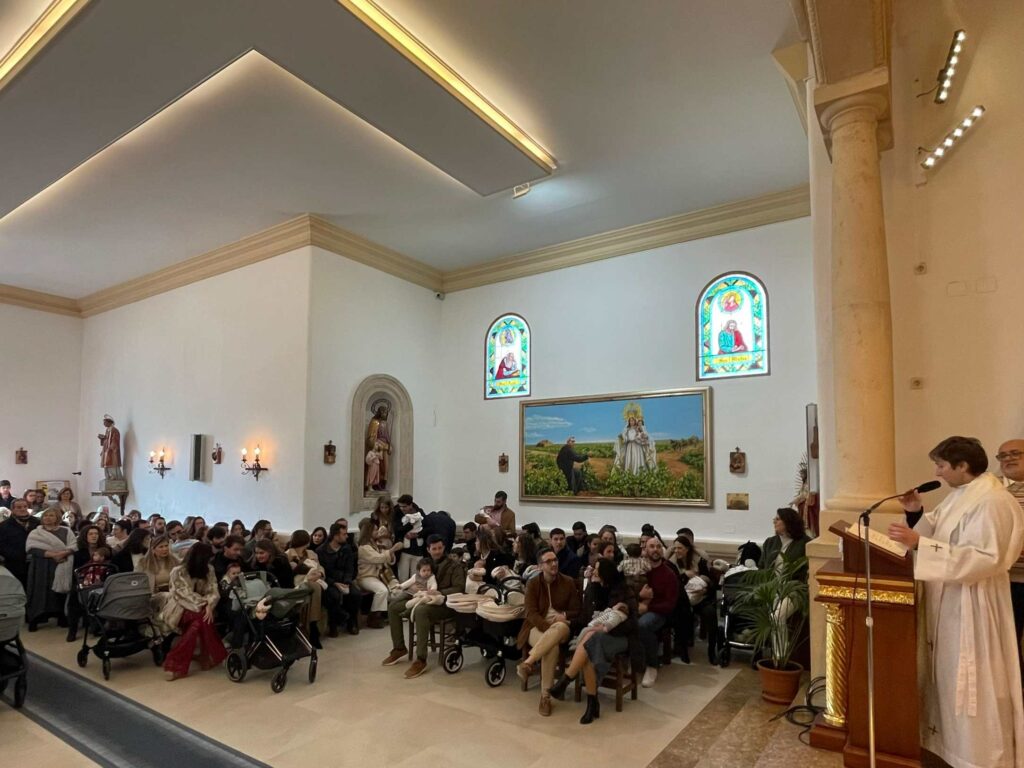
<point>843,727</point>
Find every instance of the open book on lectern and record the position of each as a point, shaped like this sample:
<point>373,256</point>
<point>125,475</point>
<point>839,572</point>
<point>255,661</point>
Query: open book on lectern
<point>876,538</point>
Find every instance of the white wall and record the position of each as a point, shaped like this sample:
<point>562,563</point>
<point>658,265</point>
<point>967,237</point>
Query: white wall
<point>225,357</point>
<point>40,383</point>
<point>364,322</point>
<point>627,324</point>
<point>963,220</point>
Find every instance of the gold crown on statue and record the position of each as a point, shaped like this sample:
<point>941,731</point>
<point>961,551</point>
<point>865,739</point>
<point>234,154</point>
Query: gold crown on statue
<point>632,410</point>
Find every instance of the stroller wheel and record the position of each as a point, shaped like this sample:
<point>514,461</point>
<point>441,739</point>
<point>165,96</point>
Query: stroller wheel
<point>237,666</point>
<point>279,681</point>
<point>106,668</point>
<point>495,674</point>
<point>20,689</point>
<point>724,650</point>
<point>312,668</point>
<point>83,657</point>
<point>452,661</point>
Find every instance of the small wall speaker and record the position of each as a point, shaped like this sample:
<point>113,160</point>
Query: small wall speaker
<point>197,463</point>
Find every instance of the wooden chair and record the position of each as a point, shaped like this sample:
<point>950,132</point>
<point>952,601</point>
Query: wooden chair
<point>436,642</point>
<point>621,678</point>
<point>563,653</point>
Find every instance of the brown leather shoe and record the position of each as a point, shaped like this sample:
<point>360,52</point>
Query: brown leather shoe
<point>545,705</point>
<point>396,655</point>
<point>418,668</point>
<point>373,621</point>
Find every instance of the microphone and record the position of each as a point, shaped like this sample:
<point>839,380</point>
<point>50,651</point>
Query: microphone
<point>931,485</point>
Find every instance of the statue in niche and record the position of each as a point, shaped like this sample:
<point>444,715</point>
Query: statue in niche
<point>378,448</point>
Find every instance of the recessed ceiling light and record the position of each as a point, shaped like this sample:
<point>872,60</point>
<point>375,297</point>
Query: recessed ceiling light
<point>520,189</point>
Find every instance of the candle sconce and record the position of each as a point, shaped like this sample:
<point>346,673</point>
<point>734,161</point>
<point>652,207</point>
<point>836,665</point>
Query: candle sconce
<point>156,461</point>
<point>255,467</point>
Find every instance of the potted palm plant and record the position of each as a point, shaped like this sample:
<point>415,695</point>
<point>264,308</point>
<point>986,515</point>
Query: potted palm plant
<point>774,602</point>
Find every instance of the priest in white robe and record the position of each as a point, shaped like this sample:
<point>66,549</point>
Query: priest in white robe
<point>972,715</point>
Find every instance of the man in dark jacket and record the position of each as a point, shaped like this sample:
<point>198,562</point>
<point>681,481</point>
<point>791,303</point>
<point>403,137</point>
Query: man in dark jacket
<point>568,563</point>
<point>450,574</point>
<point>413,550</point>
<point>13,533</point>
<point>342,596</point>
<point>565,460</point>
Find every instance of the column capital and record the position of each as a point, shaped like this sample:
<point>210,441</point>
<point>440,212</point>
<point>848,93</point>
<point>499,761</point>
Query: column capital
<point>862,98</point>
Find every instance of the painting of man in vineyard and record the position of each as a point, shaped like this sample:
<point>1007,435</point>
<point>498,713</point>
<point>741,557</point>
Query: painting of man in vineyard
<point>640,448</point>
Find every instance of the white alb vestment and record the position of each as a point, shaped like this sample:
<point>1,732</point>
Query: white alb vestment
<point>972,715</point>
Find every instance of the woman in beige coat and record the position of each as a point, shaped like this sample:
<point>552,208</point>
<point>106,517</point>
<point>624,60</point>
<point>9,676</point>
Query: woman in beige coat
<point>374,572</point>
<point>306,567</point>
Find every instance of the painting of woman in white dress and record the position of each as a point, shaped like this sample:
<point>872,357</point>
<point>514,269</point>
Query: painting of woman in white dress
<point>634,449</point>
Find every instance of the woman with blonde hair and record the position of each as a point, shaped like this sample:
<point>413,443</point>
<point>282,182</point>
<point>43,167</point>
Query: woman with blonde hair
<point>374,572</point>
<point>50,547</point>
<point>157,564</point>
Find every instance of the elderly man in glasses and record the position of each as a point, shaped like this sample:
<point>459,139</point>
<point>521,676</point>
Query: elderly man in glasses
<point>1011,467</point>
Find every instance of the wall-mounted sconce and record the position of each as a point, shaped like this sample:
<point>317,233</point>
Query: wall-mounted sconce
<point>217,455</point>
<point>255,467</point>
<point>330,452</point>
<point>157,464</point>
<point>945,76</point>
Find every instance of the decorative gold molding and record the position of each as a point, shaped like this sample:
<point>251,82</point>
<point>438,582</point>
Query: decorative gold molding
<point>707,222</point>
<point>877,595</point>
<point>836,663</point>
<point>44,302</point>
<point>249,250</point>
<point>333,238</point>
<point>312,230</point>
<point>43,30</point>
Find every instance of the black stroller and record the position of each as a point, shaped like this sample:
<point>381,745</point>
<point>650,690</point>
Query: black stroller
<point>732,627</point>
<point>118,612</point>
<point>13,665</point>
<point>275,641</point>
<point>495,636</point>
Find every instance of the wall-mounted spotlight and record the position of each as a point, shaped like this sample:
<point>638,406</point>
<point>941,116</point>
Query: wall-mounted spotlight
<point>952,138</point>
<point>945,76</point>
<point>156,461</point>
<point>255,467</point>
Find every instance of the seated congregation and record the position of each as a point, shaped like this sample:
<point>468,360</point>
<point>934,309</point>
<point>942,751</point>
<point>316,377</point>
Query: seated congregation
<point>575,607</point>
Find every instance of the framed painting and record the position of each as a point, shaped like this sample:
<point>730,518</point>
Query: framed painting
<point>51,489</point>
<point>629,448</point>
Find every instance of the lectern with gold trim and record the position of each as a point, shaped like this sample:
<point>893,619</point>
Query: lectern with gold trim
<point>843,727</point>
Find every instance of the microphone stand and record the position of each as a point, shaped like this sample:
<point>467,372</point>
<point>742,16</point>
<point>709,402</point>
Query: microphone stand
<point>869,622</point>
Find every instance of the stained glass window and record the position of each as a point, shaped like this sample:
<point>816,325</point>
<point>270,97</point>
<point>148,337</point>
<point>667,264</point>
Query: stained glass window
<point>507,371</point>
<point>732,327</point>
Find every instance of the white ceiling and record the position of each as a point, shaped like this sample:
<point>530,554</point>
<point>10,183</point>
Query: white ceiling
<point>651,109</point>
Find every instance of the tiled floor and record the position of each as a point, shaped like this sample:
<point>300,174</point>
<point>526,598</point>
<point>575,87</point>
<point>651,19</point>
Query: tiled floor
<point>359,713</point>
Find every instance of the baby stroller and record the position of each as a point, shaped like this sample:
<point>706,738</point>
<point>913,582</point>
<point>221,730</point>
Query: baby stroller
<point>13,665</point>
<point>494,632</point>
<point>274,641</point>
<point>732,627</point>
<point>118,612</point>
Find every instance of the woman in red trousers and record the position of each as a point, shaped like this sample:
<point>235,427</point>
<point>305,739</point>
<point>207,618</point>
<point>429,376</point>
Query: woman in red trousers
<point>189,612</point>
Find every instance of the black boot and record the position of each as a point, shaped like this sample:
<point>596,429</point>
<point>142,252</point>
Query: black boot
<point>593,711</point>
<point>557,690</point>
<point>72,633</point>
<point>314,636</point>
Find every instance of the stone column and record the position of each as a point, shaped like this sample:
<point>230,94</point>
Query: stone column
<point>864,465</point>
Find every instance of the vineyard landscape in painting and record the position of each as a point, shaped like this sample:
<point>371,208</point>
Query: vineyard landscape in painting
<point>640,448</point>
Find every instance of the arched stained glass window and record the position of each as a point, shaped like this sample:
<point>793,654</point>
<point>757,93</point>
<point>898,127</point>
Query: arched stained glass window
<point>507,368</point>
<point>732,327</point>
